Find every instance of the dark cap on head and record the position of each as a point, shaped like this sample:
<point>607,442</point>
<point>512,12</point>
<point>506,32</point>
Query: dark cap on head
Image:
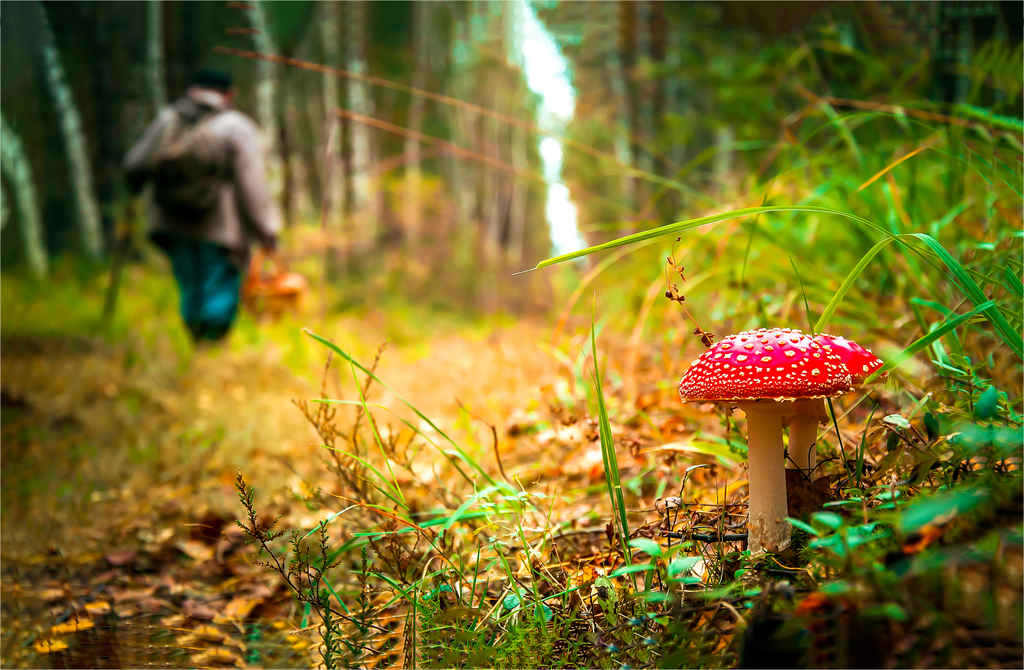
<point>218,80</point>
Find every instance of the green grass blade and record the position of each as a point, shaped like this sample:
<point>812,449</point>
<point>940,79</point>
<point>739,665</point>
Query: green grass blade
<point>1013,283</point>
<point>970,288</point>
<point>922,342</point>
<point>462,454</point>
<point>611,465</point>
<point>690,224</point>
<point>844,288</point>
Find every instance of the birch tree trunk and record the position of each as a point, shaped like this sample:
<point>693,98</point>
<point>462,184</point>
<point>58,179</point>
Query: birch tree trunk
<point>155,54</point>
<point>333,192</point>
<point>266,90</point>
<point>15,165</point>
<point>413,171</point>
<point>71,128</point>
<point>359,100</point>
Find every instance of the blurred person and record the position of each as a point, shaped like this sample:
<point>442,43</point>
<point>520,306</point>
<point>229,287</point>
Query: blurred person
<point>211,198</point>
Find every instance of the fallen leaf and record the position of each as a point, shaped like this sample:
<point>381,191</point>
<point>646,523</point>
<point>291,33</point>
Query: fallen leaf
<point>98,607</point>
<point>154,605</point>
<point>72,626</point>
<point>50,645</point>
<point>124,595</point>
<point>922,539</point>
<point>173,621</point>
<point>197,610</point>
<point>121,557</point>
<point>48,595</point>
<point>104,577</point>
<point>210,633</point>
<point>238,609</point>
<point>218,657</point>
<point>195,550</point>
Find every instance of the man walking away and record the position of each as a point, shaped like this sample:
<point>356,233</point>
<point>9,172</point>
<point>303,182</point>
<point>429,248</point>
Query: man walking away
<point>212,201</point>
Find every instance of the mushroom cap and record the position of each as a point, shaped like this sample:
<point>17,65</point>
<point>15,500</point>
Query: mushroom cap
<point>859,361</point>
<point>769,364</point>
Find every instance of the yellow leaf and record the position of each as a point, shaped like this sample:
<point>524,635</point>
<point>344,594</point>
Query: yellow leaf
<point>173,621</point>
<point>72,626</point>
<point>210,633</point>
<point>98,607</point>
<point>217,657</point>
<point>47,595</point>
<point>50,646</point>
<point>238,609</point>
<point>196,550</point>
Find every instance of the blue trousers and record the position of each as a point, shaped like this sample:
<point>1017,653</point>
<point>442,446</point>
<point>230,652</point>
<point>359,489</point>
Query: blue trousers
<point>209,283</point>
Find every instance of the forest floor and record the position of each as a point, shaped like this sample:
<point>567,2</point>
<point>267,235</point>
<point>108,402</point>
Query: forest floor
<point>121,452</point>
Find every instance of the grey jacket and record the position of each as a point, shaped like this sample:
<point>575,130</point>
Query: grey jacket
<point>245,212</point>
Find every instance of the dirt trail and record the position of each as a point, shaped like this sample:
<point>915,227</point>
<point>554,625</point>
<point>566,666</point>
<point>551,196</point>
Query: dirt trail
<point>119,462</point>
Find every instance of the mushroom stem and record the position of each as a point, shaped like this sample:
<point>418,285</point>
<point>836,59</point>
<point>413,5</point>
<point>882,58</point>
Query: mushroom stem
<point>803,432</point>
<point>768,530</point>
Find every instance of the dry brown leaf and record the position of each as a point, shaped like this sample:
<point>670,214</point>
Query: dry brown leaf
<point>153,605</point>
<point>195,550</point>
<point>197,610</point>
<point>124,595</point>
<point>121,557</point>
<point>49,646</point>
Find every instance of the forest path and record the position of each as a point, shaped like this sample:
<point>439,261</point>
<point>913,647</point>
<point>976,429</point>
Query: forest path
<point>87,423</point>
<point>120,459</point>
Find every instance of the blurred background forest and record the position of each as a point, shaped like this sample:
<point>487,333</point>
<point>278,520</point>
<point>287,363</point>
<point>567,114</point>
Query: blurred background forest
<point>852,168</point>
<point>425,135</point>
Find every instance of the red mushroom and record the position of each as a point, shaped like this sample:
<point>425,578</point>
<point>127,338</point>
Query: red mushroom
<point>803,430</point>
<point>859,361</point>
<point>772,375</point>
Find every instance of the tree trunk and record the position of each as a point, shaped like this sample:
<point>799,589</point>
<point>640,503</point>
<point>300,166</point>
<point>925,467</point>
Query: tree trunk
<point>333,193</point>
<point>359,101</point>
<point>19,174</point>
<point>266,90</point>
<point>413,171</point>
<point>644,131</point>
<point>71,128</point>
<point>626,95</point>
<point>518,204</point>
<point>284,146</point>
<point>155,54</point>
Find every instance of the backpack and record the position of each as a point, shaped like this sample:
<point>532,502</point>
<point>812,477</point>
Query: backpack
<point>188,168</point>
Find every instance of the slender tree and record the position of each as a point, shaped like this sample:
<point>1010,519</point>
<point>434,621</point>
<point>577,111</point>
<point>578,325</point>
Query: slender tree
<point>361,102</point>
<point>74,139</point>
<point>19,174</point>
<point>155,54</point>
<point>519,204</point>
<point>413,172</point>
<point>333,179</point>
<point>266,90</point>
